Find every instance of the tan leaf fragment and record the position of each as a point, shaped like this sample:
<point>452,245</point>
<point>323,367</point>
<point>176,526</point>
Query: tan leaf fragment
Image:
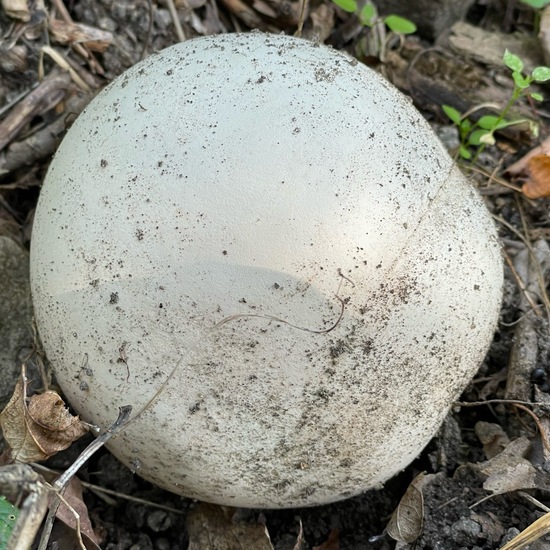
<point>493,438</point>
<point>64,32</point>
<point>73,496</point>
<point>405,524</point>
<point>18,9</point>
<point>538,184</point>
<point>40,429</point>
<point>211,526</point>
<point>510,470</point>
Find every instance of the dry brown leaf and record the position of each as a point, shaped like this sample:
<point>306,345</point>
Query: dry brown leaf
<point>73,497</point>
<point>493,438</point>
<point>211,526</point>
<point>40,429</point>
<point>510,470</point>
<point>332,543</point>
<point>405,524</point>
<point>538,184</point>
<point>518,475</point>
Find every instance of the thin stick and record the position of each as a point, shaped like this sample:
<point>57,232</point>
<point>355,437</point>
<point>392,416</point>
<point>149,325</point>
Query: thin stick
<point>175,19</point>
<point>62,481</point>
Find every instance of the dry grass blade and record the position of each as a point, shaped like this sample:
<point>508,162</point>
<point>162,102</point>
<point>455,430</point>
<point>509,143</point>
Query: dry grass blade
<point>534,532</point>
<point>63,63</point>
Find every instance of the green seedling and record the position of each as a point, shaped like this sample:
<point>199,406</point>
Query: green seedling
<point>482,132</point>
<point>536,4</point>
<point>368,16</point>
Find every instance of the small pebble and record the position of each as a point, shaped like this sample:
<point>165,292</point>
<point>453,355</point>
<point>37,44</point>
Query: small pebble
<point>465,532</point>
<point>159,520</point>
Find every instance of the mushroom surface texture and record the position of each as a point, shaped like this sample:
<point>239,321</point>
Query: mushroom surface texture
<point>264,236</point>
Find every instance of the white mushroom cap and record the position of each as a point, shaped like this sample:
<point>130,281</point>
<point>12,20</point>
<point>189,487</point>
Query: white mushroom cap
<point>278,222</point>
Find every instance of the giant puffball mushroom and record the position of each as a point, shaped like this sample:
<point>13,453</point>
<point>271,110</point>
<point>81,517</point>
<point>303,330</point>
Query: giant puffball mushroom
<point>260,245</point>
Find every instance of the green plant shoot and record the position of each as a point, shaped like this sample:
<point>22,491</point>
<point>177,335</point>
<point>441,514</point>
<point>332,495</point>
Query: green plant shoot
<point>481,133</point>
<point>536,4</point>
<point>368,17</point>
<point>8,517</point>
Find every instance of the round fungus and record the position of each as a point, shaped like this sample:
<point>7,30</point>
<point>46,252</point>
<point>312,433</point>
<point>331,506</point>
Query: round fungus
<point>264,236</point>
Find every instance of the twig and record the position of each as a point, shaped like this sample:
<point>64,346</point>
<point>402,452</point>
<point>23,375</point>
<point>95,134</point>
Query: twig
<point>303,12</point>
<point>62,481</point>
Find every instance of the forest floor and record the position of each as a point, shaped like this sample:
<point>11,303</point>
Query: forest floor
<point>471,500</point>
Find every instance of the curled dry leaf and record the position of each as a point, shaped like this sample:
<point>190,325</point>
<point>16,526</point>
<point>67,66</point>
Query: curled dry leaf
<point>405,524</point>
<point>493,438</point>
<point>538,184</point>
<point>40,429</point>
<point>211,526</point>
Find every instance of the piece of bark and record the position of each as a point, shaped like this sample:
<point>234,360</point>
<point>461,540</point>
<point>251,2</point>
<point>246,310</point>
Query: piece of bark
<point>524,353</point>
<point>487,47</point>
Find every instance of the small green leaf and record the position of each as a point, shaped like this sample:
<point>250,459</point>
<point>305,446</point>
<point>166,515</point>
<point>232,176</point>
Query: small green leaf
<point>367,15</point>
<point>541,74</point>
<point>512,61</point>
<point>465,125</point>
<point>522,82</point>
<point>347,5</point>
<point>452,113</point>
<point>537,4</point>
<point>475,137</point>
<point>537,97</point>
<point>464,153</point>
<point>400,25</point>
<point>8,517</point>
<point>534,128</point>
<point>488,122</point>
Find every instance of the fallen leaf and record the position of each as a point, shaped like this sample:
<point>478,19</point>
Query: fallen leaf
<point>538,184</point>
<point>510,470</point>
<point>405,524</point>
<point>332,543</point>
<point>40,429</point>
<point>520,474</point>
<point>211,526</point>
<point>73,497</point>
<point>493,438</point>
